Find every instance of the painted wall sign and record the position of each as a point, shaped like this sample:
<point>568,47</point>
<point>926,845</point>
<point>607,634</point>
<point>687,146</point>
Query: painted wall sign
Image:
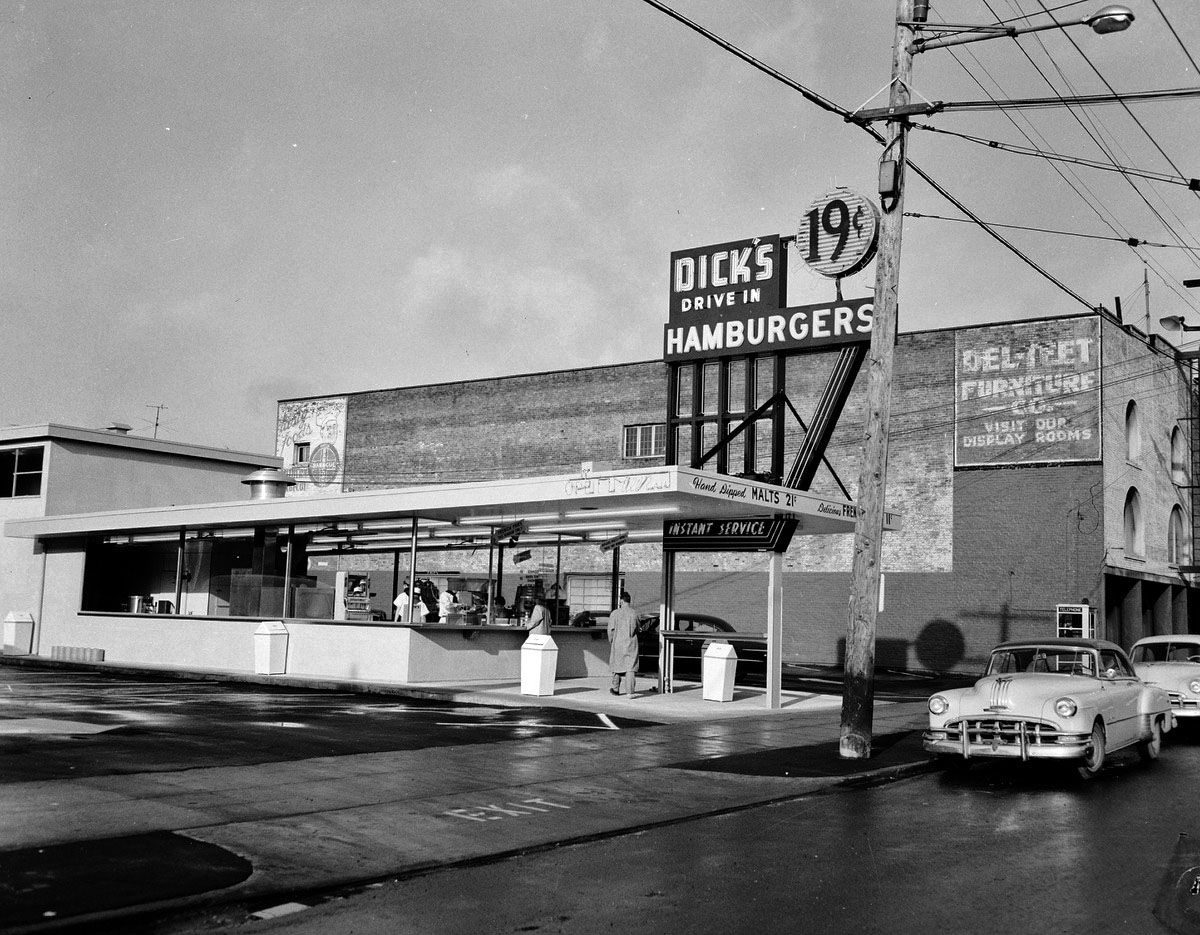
<point>310,437</point>
<point>839,233</point>
<point>1027,393</point>
<point>708,335</point>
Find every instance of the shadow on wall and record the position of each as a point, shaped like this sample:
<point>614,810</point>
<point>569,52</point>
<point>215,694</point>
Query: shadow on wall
<point>939,648</point>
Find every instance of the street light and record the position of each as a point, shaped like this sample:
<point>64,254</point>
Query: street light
<point>1175,323</point>
<point>1112,18</point>
<point>858,687</point>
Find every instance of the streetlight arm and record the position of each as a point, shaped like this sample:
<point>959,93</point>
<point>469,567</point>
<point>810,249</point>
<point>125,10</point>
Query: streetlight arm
<point>981,33</point>
<point>1112,18</point>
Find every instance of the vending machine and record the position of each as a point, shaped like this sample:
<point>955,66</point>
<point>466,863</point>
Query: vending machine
<point>352,596</point>
<point>1076,620</point>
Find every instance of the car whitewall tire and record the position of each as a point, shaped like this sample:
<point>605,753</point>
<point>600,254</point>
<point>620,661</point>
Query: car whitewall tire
<point>1149,749</point>
<point>1094,759</point>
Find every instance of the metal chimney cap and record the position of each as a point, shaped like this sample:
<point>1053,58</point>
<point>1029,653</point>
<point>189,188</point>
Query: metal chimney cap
<point>268,483</point>
<point>119,427</point>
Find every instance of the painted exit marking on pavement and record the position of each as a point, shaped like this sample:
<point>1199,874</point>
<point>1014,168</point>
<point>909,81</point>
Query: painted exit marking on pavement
<point>605,724</point>
<point>496,813</point>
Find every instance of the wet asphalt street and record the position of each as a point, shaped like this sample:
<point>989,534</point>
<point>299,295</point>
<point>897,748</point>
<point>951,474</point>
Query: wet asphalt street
<point>144,724</point>
<point>997,849</point>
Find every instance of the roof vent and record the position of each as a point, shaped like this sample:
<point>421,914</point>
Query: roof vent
<point>268,484</point>
<point>118,428</point>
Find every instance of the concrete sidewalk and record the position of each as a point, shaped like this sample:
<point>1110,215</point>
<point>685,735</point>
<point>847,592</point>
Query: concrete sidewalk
<point>309,826</point>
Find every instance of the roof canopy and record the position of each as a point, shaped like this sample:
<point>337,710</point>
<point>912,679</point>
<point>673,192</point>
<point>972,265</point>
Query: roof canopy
<point>583,507</point>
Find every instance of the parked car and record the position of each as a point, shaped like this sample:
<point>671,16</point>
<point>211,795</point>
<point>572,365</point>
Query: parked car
<point>1173,664</point>
<point>1051,699</point>
<point>752,659</point>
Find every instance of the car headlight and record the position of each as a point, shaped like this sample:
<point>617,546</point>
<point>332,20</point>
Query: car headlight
<point>938,705</point>
<point>1065,707</point>
<point>1194,685</point>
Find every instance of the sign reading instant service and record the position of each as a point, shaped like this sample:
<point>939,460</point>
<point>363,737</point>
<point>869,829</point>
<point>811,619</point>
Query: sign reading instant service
<point>1027,393</point>
<point>747,534</point>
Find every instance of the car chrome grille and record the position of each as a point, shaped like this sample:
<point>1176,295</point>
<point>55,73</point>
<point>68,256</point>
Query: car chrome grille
<point>1180,703</point>
<point>1003,732</point>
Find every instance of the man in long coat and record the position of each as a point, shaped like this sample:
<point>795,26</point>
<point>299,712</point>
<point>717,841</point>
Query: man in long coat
<point>623,648</point>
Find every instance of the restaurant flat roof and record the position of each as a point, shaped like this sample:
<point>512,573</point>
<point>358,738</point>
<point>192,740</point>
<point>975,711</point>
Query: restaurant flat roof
<point>586,506</point>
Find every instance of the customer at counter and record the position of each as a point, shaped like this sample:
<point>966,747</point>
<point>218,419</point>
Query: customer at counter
<point>539,618</point>
<point>623,648</point>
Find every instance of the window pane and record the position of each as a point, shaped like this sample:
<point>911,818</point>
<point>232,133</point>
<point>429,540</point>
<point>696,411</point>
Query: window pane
<point>683,445</point>
<point>658,442</point>
<point>21,472</point>
<point>736,391</point>
<point>27,485</point>
<point>683,404</point>
<point>711,388</point>
<point>763,430</point>
<point>735,452</point>
<point>708,438</point>
<point>631,437</point>
<point>8,466</point>
<point>29,459</point>
<point>764,380</point>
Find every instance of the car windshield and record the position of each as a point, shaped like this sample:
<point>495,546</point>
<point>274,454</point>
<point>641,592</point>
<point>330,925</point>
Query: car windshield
<point>1066,660</point>
<point>1172,651</point>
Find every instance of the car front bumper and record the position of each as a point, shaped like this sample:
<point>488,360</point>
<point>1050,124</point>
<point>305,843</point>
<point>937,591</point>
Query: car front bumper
<point>1006,738</point>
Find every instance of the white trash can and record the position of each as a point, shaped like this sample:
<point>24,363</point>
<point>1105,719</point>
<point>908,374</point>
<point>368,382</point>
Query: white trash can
<point>270,648</point>
<point>717,671</point>
<point>18,634</point>
<point>539,660</point>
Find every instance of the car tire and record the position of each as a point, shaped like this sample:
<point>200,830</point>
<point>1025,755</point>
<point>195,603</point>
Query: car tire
<point>1149,748</point>
<point>1094,759</point>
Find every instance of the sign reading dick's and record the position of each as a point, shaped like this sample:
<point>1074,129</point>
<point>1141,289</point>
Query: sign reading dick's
<point>726,300</point>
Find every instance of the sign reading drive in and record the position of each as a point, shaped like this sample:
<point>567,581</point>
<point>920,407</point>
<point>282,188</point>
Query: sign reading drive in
<point>1027,393</point>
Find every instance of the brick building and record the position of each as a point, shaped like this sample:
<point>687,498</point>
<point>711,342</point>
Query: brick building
<point>1034,464</point>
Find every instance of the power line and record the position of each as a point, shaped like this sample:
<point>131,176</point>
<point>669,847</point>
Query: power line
<point>826,104</point>
<point>1130,241</point>
<point>1193,184</point>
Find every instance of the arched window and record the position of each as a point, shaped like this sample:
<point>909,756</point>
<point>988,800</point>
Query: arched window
<point>1179,464</point>
<point>1133,433</point>
<point>1135,536</point>
<point>1177,543</point>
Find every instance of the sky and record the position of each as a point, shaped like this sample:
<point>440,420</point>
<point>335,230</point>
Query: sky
<point>212,206</point>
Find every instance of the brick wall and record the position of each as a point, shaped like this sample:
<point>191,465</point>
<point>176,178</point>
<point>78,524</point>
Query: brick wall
<point>544,423</point>
<point>984,554</point>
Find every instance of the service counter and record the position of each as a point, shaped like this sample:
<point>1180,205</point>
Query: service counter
<point>446,653</point>
<point>335,649</point>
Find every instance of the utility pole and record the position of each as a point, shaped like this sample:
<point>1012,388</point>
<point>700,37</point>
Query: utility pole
<point>858,692</point>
